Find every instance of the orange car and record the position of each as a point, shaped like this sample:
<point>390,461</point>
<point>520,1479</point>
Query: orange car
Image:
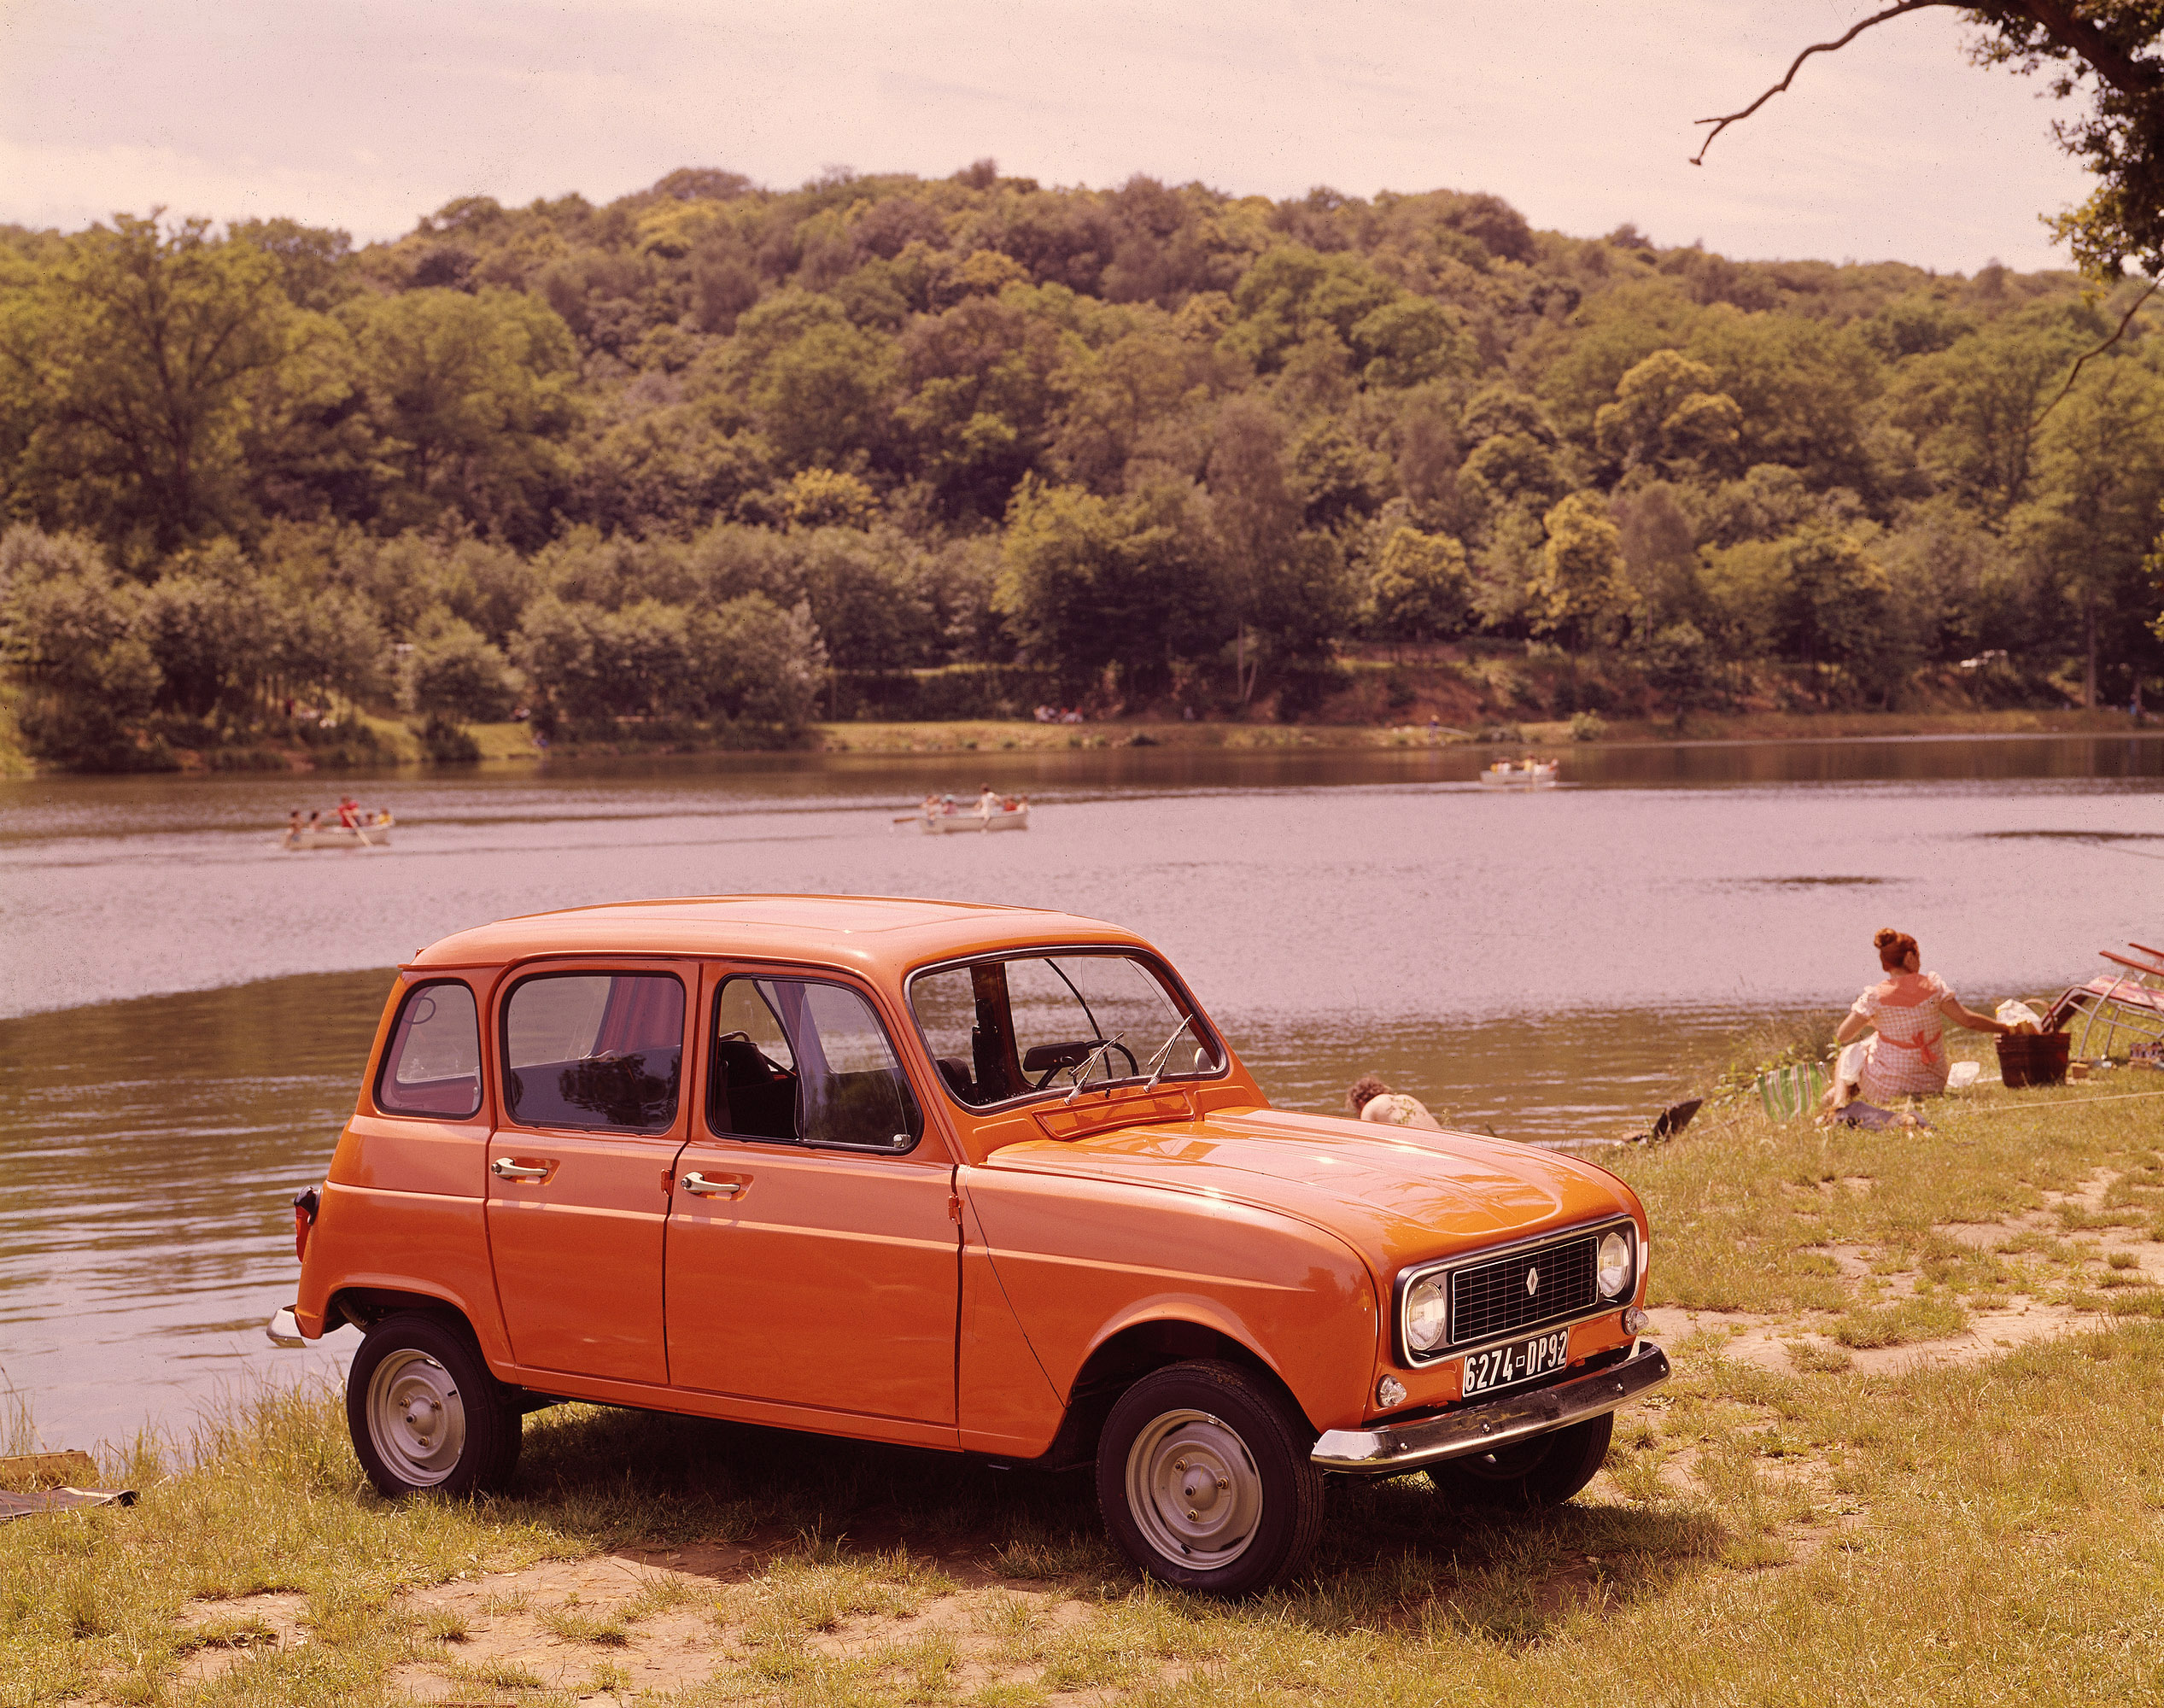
<point>977,1178</point>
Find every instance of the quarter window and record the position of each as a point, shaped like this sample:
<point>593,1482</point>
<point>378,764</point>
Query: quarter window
<point>432,1064</point>
<point>805,1061</point>
<point>594,1051</point>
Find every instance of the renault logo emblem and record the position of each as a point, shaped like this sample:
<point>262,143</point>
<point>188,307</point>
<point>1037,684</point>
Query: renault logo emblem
<point>1532,1280</point>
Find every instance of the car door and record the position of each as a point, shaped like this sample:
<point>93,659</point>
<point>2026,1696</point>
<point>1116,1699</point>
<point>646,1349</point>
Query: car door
<point>813,1248</point>
<point>590,1121</point>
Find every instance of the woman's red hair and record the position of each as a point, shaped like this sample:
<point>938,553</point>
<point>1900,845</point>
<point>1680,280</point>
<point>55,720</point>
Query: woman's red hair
<point>1894,947</point>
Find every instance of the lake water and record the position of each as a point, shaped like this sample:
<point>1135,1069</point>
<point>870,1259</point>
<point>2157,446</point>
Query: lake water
<point>187,1008</point>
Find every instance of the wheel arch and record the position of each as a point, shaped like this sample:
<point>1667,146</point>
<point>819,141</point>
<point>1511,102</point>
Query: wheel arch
<point>1132,1351</point>
<point>365,1306</point>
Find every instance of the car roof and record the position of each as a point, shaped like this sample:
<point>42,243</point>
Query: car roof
<point>870,934</point>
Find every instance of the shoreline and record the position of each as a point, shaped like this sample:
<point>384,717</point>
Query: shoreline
<point>511,744</point>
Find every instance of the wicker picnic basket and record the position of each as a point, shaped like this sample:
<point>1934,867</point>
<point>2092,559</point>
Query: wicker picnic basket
<point>2034,1058</point>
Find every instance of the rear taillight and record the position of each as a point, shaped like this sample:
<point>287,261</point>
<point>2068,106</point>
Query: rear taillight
<point>304,1218</point>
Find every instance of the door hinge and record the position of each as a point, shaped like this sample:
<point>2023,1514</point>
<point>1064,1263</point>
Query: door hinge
<point>668,1182</point>
<point>954,1209</point>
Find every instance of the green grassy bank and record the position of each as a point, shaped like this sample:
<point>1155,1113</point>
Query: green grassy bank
<point>378,742</point>
<point>1814,1511</point>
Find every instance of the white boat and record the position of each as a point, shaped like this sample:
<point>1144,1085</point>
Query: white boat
<point>968,821</point>
<point>1534,774</point>
<point>337,836</point>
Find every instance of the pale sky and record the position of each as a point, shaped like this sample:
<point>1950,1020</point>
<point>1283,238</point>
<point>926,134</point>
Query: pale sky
<point>368,113</point>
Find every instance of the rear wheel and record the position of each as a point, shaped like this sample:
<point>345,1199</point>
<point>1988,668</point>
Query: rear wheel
<point>425,1413</point>
<point>1544,1471</point>
<point>1204,1480</point>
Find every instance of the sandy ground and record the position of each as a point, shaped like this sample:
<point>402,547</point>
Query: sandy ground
<point>1767,1341</point>
<point>615,1627</point>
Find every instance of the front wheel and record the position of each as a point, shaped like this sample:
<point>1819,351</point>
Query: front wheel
<point>425,1413</point>
<point>1205,1482</point>
<point>1544,1471</point>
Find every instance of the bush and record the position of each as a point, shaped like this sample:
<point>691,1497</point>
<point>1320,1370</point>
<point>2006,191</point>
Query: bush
<point>1587,726</point>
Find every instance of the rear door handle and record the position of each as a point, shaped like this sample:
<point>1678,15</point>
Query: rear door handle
<point>511,1169</point>
<point>700,1187</point>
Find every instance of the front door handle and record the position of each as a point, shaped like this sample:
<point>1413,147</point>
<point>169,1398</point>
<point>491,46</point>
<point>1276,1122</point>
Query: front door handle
<point>511,1169</point>
<point>700,1187</point>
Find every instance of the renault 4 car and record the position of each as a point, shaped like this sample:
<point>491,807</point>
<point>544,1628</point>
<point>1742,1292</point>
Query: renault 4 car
<point>985,1180</point>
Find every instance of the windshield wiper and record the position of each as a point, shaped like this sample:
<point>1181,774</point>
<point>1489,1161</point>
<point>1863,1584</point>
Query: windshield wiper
<point>1157,1061</point>
<point>1082,1068</point>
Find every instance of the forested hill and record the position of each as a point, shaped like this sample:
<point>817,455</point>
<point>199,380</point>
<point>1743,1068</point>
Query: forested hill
<point>686,455</point>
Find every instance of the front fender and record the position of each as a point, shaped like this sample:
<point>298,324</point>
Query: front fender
<point>1081,1261</point>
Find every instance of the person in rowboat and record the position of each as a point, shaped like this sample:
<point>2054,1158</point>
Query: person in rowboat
<point>1906,1013</point>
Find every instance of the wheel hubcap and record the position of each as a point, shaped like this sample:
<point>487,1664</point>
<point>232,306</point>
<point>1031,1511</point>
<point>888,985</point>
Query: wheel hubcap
<point>416,1420</point>
<point>1193,1489</point>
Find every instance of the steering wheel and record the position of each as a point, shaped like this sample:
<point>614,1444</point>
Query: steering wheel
<point>1134,1071</point>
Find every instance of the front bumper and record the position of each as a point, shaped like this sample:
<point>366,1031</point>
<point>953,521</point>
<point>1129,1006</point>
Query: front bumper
<point>282,1329</point>
<point>1491,1423</point>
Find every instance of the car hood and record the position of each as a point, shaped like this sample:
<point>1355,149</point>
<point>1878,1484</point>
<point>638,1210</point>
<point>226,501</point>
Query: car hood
<point>1399,1195</point>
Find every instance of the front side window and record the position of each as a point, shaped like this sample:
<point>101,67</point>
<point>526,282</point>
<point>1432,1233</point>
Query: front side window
<point>1002,1029</point>
<point>432,1064</point>
<point>594,1051</point>
<point>805,1061</point>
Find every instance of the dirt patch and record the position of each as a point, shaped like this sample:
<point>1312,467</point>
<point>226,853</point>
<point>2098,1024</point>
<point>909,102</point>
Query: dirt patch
<point>2096,1253</point>
<point>617,1626</point>
<point>224,1632</point>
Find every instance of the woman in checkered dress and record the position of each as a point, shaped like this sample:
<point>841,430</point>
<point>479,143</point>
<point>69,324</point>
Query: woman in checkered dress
<point>1906,1056</point>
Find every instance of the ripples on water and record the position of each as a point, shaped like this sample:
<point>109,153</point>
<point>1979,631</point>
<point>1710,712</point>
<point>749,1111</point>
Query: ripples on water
<point>1544,967</point>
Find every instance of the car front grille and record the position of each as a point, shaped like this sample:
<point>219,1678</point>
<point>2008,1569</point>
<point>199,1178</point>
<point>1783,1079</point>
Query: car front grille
<point>1491,1299</point>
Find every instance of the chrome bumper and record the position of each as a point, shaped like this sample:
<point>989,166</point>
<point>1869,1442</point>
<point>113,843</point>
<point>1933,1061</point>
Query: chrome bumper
<point>283,1330</point>
<point>1490,1424</point>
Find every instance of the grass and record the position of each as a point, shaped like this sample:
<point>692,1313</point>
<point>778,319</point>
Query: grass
<point>1823,1530</point>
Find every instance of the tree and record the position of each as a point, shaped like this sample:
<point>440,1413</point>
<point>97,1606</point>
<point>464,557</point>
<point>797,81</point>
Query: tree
<point>139,348</point>
<point>1667,415</point>
<point>472,399</point>
<point>2095,520</point>
<point>1581,594</point>
<point>69,639</point>
<point>456,673</point>
<point>1830,605</point>
<point>1679,664</point>
<point>1421,588</point>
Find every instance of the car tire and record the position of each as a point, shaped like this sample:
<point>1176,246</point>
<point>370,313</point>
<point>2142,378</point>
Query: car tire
<point>426,1413</point>
<point>1204,1480</point>
<point>1544,1471</point>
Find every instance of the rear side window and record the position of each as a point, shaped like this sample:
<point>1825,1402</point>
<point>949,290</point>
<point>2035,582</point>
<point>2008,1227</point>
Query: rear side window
<point>806,1061</point>
<point>594,1051</point>
<point>432,1065</point>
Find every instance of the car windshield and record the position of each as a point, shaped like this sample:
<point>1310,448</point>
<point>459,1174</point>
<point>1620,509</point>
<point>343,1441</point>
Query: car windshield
<point>1027,1023</point>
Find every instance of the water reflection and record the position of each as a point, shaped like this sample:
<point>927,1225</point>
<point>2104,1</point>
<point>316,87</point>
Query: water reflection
<point>150,1149</point>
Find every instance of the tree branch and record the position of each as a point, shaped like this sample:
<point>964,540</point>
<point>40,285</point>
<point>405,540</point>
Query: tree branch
<point>1795,65</point>
<point>2088,43</point>
<point>2124,321</point>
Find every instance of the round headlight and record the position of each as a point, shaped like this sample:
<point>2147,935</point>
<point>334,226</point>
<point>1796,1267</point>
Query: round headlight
<point>1426,1309</point>
<point>1615,1263</point>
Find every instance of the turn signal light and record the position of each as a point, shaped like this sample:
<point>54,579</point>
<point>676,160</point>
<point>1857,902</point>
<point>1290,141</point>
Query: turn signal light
<point>1635,1321</point>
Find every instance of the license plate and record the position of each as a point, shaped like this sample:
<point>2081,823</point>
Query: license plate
<point>1501,1366</point>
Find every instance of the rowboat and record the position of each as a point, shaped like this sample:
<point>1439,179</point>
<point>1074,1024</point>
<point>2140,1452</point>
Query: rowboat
<point>337,836</point>
<point>1534,774</point>
<point>973,823</point>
